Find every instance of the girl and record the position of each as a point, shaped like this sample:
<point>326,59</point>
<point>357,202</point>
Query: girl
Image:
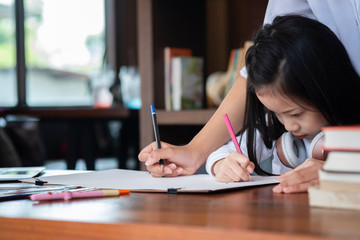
<point>300,79</point>
<point>342,18</point>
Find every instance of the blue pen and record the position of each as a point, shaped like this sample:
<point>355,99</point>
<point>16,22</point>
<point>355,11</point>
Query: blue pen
<point>156,130</point>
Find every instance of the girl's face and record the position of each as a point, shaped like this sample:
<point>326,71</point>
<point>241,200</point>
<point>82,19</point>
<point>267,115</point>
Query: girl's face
<point>303,121</point>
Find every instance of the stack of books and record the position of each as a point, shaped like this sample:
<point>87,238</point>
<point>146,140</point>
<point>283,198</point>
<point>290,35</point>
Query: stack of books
<point>169,54</point>
<point>340,176</point>
<point>184,79</point>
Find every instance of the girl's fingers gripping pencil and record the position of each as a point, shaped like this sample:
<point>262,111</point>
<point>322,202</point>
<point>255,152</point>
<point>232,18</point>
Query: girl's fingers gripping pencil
<point>233,137</point>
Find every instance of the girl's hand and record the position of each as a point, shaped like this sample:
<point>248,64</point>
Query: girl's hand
<point>300,178</point>
<point>178,160</point>
<point>234,168</point>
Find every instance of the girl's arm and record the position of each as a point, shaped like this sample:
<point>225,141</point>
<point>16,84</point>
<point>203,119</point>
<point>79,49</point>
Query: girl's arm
<point>187,159</point>
<point>220,153</point>
<point>300,178</point>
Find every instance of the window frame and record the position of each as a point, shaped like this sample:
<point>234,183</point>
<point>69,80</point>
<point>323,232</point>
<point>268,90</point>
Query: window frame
<point>20,69</point>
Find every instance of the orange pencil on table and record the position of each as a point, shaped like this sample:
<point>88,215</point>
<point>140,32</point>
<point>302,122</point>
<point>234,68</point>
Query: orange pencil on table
<point>233,137</point>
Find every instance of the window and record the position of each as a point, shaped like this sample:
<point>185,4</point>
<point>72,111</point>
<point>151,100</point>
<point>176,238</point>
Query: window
<point>64,43</point>
<point>8,86</point>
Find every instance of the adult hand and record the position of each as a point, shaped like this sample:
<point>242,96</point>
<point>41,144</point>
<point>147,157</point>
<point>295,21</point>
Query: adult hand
<point>300,178</point>
<point>178,160</point>
<point>234,168</point>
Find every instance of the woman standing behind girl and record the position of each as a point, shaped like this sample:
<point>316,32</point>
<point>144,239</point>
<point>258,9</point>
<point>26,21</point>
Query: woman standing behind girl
<point>300,79</point>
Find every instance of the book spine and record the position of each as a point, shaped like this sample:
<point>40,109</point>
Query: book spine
<point>167,77</point>
<point>169,54</point>
<point>176,80</point>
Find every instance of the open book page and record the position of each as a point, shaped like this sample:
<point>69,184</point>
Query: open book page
<point>18,173</point>
<point>143,181</point>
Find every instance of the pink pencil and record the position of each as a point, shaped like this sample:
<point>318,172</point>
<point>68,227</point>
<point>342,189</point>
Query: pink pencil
<point>233,137</point>
<point>67,195</point>
<point>232,134</point>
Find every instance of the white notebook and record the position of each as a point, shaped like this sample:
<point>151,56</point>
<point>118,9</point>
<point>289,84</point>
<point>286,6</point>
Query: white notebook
<point>144,182</point>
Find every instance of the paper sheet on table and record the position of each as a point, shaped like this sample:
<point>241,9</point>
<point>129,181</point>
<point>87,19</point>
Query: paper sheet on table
<point>143,181</point>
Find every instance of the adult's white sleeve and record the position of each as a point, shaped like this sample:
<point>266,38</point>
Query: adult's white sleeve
<point>280,7</point>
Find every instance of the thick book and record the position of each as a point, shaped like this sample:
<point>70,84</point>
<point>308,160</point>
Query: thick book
<point>188,83</point>
<point>339,185</point>
<point>319,197</point>
<point>342,138</point>
<point>343,161</point>
<point>169,53</point>
<point>341,171</point>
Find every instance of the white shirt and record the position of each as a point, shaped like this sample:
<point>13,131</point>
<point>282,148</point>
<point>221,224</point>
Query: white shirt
<point>267,158</point>
<point>341,16</point>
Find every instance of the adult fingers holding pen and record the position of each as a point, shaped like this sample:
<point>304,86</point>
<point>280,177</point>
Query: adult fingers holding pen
<point>154,154</point>
<point>151,156</point>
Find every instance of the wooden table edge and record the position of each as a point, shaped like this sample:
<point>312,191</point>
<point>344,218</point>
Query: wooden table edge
<point>29,228</point>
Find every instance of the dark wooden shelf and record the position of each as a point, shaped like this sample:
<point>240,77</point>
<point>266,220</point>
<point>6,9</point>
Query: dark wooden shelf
<point>211,29</point>
<point>184,117</point>
<point>72,112</point>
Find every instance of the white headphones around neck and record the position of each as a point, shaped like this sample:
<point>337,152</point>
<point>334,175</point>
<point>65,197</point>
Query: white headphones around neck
<point>292,152</point>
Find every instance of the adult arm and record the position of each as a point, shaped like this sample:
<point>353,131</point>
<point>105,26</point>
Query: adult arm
<point>185,160</point>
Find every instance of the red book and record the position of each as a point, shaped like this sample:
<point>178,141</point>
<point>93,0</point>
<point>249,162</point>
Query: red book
<point>342,138</point>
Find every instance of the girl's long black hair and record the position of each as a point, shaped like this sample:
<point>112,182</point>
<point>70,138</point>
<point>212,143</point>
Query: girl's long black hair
<point>304,60</point>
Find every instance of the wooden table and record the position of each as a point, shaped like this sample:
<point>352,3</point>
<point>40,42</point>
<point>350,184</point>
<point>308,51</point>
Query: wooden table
<point>254,213</point>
